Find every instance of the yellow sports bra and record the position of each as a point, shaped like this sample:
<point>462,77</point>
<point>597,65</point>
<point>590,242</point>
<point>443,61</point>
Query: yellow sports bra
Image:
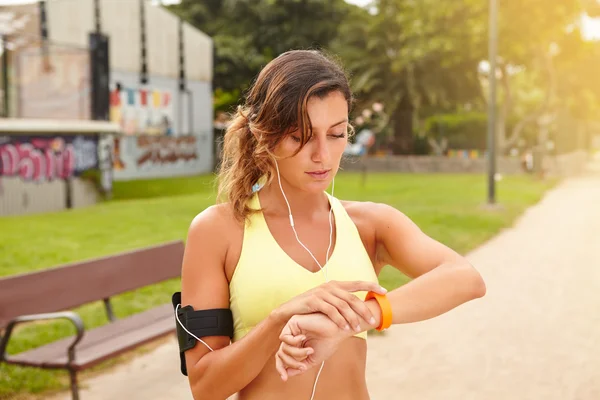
<point>266,277</point>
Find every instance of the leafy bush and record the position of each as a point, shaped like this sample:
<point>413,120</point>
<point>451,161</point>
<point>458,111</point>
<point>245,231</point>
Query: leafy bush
<point>463,131</point>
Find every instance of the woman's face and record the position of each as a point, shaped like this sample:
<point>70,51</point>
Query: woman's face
<point>314,167</point>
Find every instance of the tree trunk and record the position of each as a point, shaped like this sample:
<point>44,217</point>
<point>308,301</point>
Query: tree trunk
<point>403,127</point>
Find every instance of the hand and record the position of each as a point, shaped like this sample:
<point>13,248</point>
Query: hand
<point>335,300</point>
<point>307,340</point>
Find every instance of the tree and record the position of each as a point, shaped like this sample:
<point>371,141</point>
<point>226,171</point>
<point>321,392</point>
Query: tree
<point>415,57</point>
<point>422,59</point>
<point>578,85</point>
<point>249,33</point>
<point>419,58</point>
<point>529,33</point>
<point>591,7</point>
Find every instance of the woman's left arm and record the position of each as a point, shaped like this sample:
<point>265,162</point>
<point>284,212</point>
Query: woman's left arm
<point>442,278</point>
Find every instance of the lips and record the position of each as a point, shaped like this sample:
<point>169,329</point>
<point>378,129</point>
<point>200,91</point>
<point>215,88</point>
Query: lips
<point>320,174</point>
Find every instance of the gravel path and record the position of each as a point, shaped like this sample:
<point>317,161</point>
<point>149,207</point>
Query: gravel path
<point>536,333</point>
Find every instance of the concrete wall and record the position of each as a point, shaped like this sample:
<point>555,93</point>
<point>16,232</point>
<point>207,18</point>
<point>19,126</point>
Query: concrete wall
<point>150,156</point>
<point>61,91</point>
<point>120,22</point>
<point>84,193</point>
<point>161,41</point>
<point>71,21</point>
<point>19,197</point>
<point>198,50</point>
<point>190,114</point>
<point>201,112</point>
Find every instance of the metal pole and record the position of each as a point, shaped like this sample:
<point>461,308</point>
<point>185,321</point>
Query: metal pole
<point>491,139</point>
<point>42,6</point>
<point>144,66</point>
<point>182,81</point>
<point>97,16</point>
<point>5,87</point>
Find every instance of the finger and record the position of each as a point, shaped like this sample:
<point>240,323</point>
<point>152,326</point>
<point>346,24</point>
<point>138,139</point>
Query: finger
<point>333,314</point>
<point>299,354</point>
<point>294,329</point>
<point>344,308</point>
<point>290,362</point>
<point>294,372</point>
<point>280,368</point>
<point>287,330</point>
<point>292,340</point>
<point>360,286</point>
<point>295,341</point>
<point>356,304</point>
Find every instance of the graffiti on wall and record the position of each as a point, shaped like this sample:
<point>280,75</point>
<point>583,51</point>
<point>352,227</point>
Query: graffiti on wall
<point>154,156</point>
<point>166,150</point>
<point>40,158</point>
<point>141,110</point>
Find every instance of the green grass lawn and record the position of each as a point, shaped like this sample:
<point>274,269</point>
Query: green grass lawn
<point>447,207</point>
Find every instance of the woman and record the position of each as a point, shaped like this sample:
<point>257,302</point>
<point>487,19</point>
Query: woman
<point>281,248</point>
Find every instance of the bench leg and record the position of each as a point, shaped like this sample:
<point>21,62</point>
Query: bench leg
<point>74,388</point>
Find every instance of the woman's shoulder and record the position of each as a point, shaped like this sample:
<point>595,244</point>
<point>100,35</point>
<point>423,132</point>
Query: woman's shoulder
<point>369,214</point>
<point>215,224</point>
<point>218,218</point>
<point>215,234</point>
<point>362,209</point>
<point>361,213</point>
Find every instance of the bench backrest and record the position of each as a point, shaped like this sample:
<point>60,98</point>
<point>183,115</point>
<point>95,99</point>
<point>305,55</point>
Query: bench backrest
<point>75,284</point>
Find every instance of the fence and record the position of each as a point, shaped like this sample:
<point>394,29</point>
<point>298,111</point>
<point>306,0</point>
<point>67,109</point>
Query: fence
<point>557,165</point>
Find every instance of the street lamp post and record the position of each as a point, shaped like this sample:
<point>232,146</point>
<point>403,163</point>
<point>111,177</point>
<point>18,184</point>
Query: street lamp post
<point>491,138</point>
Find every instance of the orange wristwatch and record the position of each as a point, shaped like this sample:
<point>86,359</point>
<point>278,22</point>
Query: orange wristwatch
<point>386,309</point>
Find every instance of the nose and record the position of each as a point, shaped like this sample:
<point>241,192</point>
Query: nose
<point>320,151</point>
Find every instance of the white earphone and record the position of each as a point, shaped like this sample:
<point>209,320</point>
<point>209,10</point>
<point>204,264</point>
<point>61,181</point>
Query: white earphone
<point>309,252</point>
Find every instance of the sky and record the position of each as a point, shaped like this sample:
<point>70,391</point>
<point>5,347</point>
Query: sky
<point>591,25</point>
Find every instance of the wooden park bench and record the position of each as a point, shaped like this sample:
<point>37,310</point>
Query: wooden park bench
<point>50,293</point>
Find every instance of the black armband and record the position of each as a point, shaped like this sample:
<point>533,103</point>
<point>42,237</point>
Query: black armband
<point>214,322</point>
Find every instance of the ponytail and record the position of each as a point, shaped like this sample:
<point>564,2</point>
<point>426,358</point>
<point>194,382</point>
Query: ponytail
<point>245,160</point>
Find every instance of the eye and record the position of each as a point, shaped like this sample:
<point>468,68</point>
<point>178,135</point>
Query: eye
<point>298,139</point>
<point>338,136</point>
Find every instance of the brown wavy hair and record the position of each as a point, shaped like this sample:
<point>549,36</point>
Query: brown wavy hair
<point>275,106</point>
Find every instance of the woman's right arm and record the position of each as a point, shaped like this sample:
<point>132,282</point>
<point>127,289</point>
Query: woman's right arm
<point>229,368</point>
